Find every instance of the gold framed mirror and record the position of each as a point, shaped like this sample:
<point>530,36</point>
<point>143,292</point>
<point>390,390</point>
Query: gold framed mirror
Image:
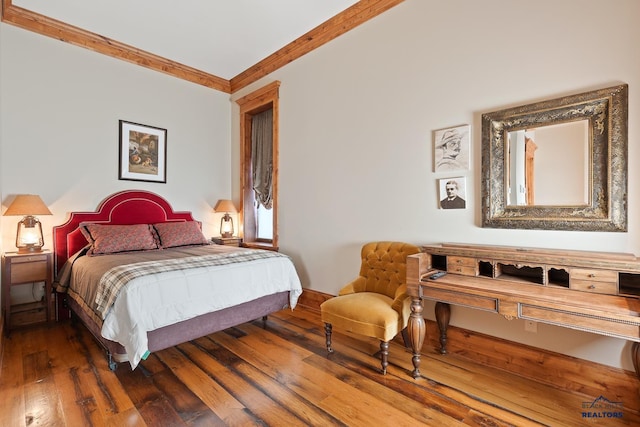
<point>559,164</point>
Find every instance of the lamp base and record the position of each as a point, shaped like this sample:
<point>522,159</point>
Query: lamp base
<point>226,235</point>
<point>29,250</point>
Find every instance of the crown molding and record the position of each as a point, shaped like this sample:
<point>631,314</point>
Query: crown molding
<point>350,18</point>
<point>59,30</point>
<point>343,22</point>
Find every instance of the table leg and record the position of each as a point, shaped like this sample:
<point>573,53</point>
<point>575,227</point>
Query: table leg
<point>443,315</point>
<point>635,357</point>
<point>417,330</point>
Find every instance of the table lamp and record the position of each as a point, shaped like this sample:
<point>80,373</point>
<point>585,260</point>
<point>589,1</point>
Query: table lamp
<point>226,223</point>
<point>29,235</point>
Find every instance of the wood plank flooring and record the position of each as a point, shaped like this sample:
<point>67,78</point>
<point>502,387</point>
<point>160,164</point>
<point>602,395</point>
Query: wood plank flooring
<point>278,375</point>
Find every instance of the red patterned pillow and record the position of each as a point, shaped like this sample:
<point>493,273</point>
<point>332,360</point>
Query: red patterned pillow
<point>186,233</point>
<point>110,239</point>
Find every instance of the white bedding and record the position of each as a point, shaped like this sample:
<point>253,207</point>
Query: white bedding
<point>181,295</point>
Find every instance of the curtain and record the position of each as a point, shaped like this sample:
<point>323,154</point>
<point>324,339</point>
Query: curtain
<point>262,157</point>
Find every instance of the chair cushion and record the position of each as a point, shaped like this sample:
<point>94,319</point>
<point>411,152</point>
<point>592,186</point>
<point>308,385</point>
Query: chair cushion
<point>365,313</point>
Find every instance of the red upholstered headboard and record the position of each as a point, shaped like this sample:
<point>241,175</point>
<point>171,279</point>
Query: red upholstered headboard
<point>124,207</point>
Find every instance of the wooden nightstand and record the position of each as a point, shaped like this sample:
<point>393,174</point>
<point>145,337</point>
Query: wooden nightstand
<point>21,269</point>
<point>229,241</point>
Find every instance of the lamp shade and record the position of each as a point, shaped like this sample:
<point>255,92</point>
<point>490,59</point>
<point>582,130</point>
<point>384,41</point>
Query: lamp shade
<point>224,205</point>
<point>27,204</point>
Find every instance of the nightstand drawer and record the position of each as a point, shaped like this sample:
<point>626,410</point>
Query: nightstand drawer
<point>24,272</point>
<point>28,314</point>
<point>28,258</point>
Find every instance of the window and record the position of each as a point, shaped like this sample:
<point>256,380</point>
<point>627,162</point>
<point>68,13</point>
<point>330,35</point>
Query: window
<point>265,223</point>
<point>259,169</point>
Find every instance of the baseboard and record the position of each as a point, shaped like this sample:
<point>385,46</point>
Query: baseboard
<point>311,300</point>
<point>555,369</point>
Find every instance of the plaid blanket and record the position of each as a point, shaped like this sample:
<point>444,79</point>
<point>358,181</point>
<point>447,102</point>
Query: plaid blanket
<point>117,277</point>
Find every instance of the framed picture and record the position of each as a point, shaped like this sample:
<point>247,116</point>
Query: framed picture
<point>143,153</point>
<point>453,193</point>
<point>451,149</point>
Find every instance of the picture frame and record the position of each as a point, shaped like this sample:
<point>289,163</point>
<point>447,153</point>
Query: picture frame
<point>142,152</point>
<point>451,149</point>
<point>453,193</point>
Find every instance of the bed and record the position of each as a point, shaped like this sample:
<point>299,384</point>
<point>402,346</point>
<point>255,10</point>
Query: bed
<point>142,277</point>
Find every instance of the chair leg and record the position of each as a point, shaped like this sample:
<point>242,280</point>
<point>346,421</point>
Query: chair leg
<point>327,334</point>
<point>384,356</point>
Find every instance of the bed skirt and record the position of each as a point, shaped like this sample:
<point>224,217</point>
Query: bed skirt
<point>186,330</point>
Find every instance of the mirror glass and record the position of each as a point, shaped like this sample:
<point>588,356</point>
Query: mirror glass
<point>559,164</point>
<point>533,152</point>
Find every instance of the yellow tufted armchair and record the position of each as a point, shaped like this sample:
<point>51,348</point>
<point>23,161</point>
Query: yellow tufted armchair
<point>376,303</point>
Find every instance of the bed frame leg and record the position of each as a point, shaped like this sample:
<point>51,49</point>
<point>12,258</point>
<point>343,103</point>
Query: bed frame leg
<point>112,363</point>
<point>264,321</point>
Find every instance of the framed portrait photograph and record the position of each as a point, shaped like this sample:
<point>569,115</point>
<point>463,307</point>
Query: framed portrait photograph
<point>451,149</point>
<point>453,193</point>
<point>143,153</point>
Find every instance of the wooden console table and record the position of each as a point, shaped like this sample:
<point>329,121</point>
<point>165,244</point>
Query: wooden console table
<point>597,292</point>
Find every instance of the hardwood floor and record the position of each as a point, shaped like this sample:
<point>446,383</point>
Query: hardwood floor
<point>57,375</point>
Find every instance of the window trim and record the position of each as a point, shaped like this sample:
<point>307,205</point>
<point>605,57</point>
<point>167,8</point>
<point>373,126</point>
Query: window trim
<point>253,103</point>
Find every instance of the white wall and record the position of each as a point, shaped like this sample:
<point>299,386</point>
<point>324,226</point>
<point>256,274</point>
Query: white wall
<point>59,112</point>
<point>356,124</point>
<point>60,108</point>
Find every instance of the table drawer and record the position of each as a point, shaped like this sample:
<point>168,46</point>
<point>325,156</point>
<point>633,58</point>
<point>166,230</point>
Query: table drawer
<point>594,275</point>
<point>460,298</point>
<point>594,286</point>
<point>464,271</point>
<point>601,324</point>
<point>461,261</point>
<point>465,266</point>
<point>594,280</point>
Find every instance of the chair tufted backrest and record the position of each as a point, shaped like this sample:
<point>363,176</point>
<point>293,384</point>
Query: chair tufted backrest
<point>384,266</point>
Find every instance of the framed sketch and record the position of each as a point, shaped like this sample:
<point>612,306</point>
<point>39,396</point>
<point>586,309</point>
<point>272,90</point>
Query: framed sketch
<point>453,193</point>
<point>451,149</point>
<point>143,153</point>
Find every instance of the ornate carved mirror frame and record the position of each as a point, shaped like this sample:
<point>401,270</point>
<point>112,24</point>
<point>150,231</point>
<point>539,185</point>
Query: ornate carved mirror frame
<point>606,209</point>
